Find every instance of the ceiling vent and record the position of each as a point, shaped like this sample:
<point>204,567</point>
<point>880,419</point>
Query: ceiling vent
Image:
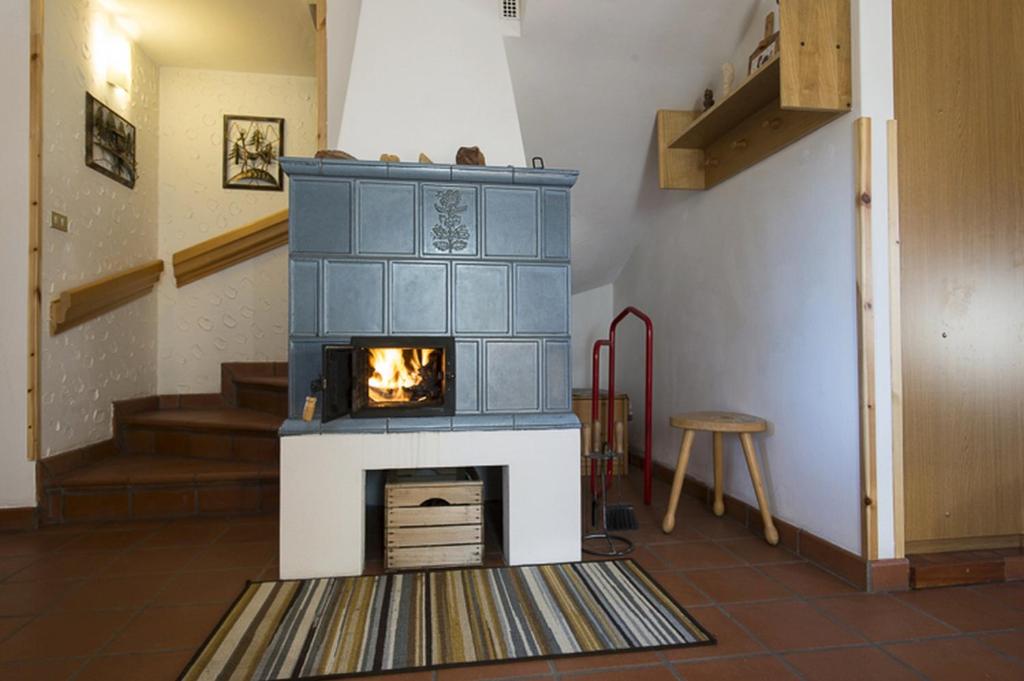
<point>511,17</point>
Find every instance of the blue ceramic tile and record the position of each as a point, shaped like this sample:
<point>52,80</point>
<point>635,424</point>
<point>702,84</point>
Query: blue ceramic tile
<point>387,218</point>
<point>542,299</point>
<point>546,421</point>
<point>467,376</point>
<point>353,298</point>
<point>419,298</point>
<point>510,222</point>
<point>482,299</point>
<point>347,424</point>
<point>482,422</point>
<point>419,423</point>
<point>511,376</point>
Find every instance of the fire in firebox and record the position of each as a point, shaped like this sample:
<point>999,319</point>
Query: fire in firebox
<point>405,375</point>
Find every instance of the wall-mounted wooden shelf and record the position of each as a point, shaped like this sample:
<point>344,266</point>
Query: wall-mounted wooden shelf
<point>806,85</point>
<point>88,301</point>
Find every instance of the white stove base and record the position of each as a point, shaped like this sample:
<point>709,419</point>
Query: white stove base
<point>323,491</point>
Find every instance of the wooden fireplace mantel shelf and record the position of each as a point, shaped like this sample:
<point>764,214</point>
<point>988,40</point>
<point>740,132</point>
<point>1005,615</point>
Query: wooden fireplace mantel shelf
<point>806,85</point>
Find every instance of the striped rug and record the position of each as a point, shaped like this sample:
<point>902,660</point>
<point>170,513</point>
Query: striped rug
<point>348,626</point>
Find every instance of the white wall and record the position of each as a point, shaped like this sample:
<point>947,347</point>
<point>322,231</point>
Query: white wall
<point>241,313</point>
<point>342,23</point>
<point>592,312</point>
<point>751,286</point>
<point>429,77</point>
<point>112,228</point>
<point>17,473</point>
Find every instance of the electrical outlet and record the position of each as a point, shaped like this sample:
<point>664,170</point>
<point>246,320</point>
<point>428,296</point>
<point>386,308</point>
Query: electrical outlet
<point>59,221</point>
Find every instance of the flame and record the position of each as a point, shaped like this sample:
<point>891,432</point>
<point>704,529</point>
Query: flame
<point>396,371</point>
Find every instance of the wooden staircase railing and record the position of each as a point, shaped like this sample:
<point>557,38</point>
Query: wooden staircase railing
<point>88,301</point>
<point>230,248</point>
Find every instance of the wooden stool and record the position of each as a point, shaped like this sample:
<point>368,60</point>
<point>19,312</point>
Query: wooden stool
<point>718,422</point>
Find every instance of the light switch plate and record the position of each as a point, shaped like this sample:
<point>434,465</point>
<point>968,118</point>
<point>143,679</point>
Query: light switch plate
<point>58,221</point>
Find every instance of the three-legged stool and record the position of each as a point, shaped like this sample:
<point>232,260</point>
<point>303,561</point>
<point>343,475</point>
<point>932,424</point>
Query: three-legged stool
<point>717,423</point>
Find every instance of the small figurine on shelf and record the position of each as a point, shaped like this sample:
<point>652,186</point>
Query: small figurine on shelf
<point>709,99</point>
<point>728,75</point>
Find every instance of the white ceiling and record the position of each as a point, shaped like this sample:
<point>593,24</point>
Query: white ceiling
<point>258,36</point>
<point>589,76</point>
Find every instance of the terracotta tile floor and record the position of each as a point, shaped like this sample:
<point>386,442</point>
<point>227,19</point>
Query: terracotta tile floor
<point>132,601</point>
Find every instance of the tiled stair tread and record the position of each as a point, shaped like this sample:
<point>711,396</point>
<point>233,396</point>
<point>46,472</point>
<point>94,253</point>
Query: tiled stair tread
<point>273,382</point>
<point>147,470</point>
<point>227,418</point>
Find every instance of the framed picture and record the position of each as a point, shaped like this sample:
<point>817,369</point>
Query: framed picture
<point>768,46</point>
<point>253,146</point>
<point>109,142</point>
<point>762,55</point>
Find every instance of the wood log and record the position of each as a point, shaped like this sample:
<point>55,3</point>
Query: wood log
<point>335,153</point>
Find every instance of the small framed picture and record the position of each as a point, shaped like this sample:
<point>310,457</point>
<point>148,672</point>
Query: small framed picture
<point>109,142</point>
<point>763,54</point>
<point>253,146</point>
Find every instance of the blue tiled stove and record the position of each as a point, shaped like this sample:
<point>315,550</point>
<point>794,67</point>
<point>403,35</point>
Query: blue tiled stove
<point>478,254</point>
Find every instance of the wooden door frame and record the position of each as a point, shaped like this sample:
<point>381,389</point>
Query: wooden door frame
<point>895,339</point>
<point>320,24</point>
<point>35,225</point>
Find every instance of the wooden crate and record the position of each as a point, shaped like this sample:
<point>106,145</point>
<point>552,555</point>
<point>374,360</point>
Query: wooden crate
<point>433,518</point>
<point>581,404</point>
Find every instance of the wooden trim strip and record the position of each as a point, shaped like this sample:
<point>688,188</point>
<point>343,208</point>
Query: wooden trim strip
<point>896,338</point>
<point>866,340</point>
<point>88,301</point>
<point>19,518</point>
<point>320,23</point>
<point>35,223</point>
<point>230,248</point>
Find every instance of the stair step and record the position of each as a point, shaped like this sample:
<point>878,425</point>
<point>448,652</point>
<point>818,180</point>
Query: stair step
<point>156,470</point>
<point>277,383</point>
<point>218,434</point>
<point>137,487</point>
<point>223,419</point>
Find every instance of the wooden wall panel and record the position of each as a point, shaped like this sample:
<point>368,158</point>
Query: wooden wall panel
<point>960,105</point>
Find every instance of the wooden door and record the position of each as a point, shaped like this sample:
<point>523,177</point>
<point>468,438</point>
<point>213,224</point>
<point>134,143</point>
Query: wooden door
<point>959,83</point>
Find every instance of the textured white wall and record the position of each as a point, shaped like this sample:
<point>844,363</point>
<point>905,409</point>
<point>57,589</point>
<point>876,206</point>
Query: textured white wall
<point>591,315</point>
<point>429,77</point>
<point>241,313</point>
<point>112,228</point>
<point>17,473</point>
<point>751,288</point>
<point>342,24</point>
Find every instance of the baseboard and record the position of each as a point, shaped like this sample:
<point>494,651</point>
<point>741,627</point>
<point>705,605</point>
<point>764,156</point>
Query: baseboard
<point>65,462</point>
<point>891,574</point>
<point>20,518</point>
<point>835,559</point>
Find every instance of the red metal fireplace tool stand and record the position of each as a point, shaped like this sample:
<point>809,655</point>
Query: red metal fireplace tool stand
<point>648,395</point>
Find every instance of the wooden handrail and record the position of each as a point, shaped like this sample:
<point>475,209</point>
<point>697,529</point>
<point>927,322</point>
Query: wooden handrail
<point>230,248</point>
<point>88,301</point>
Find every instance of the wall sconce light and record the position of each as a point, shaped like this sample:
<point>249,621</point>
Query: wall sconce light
<point>119,62</point>
<point>111,54</point>
<point>118,78</point>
